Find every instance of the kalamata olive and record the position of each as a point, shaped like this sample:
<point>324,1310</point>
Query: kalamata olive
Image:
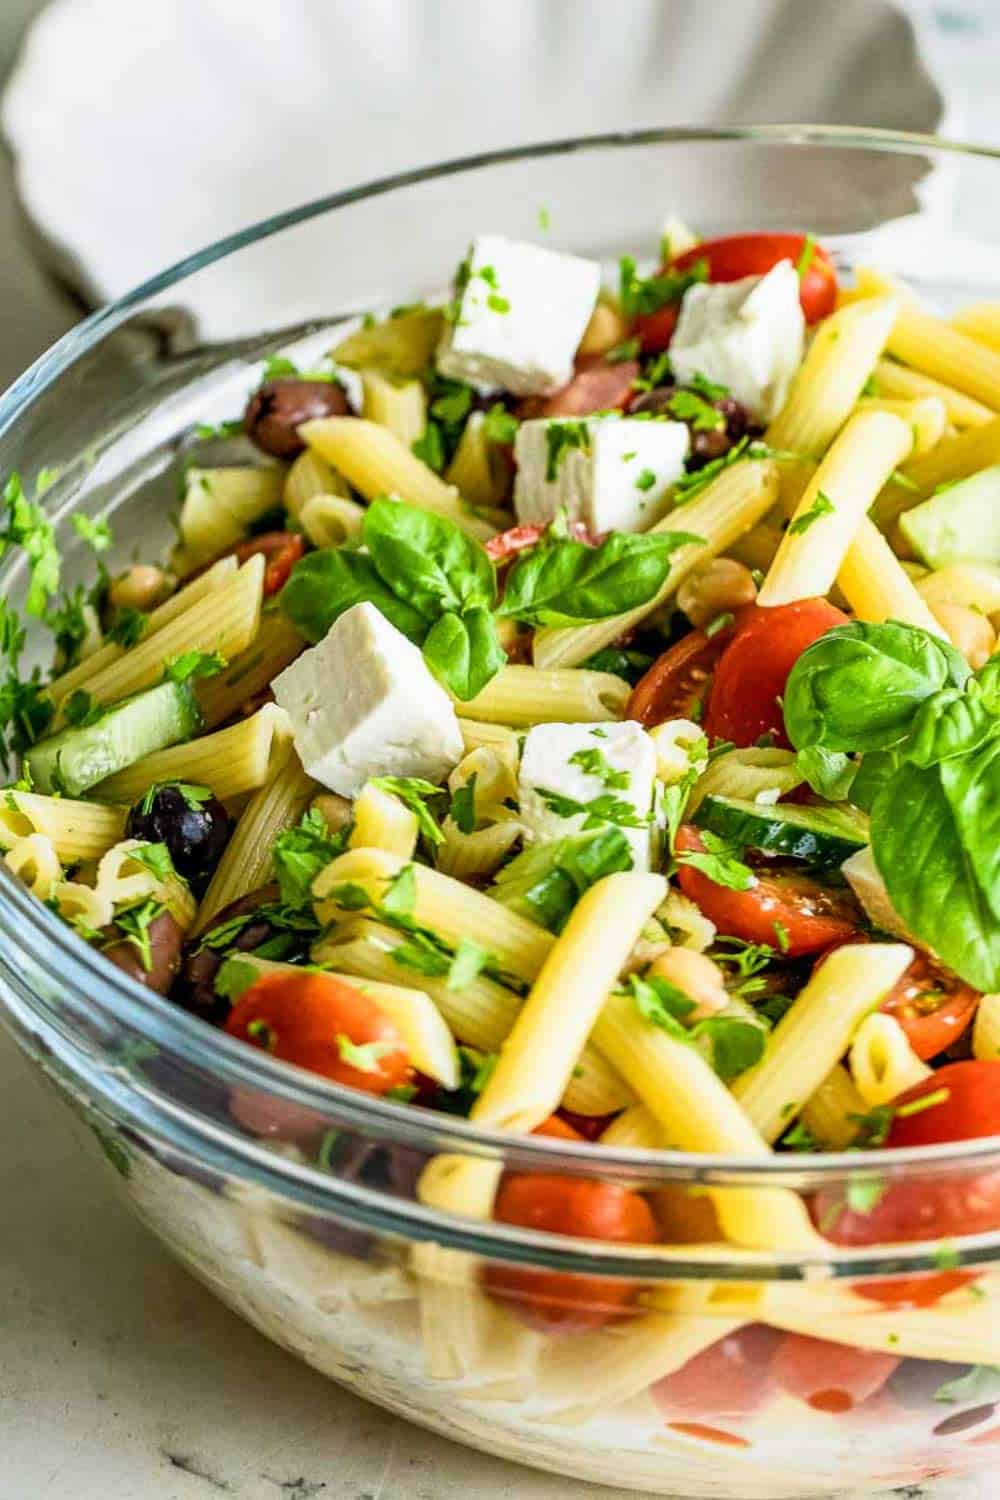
<point>164,958</point>
<point>192,823</point>
<point>706,445</point>
<point>276,409</point>
<point>196,988</point>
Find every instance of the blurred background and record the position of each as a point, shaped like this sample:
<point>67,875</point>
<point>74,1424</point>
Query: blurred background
<point>136,134</point>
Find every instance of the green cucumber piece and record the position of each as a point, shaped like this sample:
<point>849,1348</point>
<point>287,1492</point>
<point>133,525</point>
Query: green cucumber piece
<point>76,759</point>
<point>821,835</point>
<point>960,522</point>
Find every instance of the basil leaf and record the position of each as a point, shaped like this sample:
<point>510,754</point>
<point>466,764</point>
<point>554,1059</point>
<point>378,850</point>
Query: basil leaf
<point>858,687</point>
<point>563,582</point>
<point>933,858</point>
<point>463,651</point>
<point>988,681</point>
<point>736,1043</point>
<point>871,776</point>
<point>948,724</point>
<point>427,560</point>
<point>830,773</point>
<point>545,881</point>
<point>325,584</point>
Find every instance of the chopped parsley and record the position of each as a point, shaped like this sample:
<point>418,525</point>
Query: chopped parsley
<point>128,628</point>
<point>234,977</point>
<point>688,406</point>
<point>97,534</point>
<point>821,506</point>
<point>192,664</point>
<point>721,622</point>
<point>415,793</point>
<point>134,924</point>
<point>603,809</point>
<point>156,858</point>
<point>300,853</point>
<point>429,447</point>
<point>735,1043</point>
<point>628,349</point>
<point>560,438</point>
<point>26,526</point>
<point>207,432</point>
<point>806,255</point>
<point>718,860</point>
<point>365,1056</point>
<point>462,809</point>
<point>194,796</point>
<point>642,295</point>
<point>864,1194</point>
<point>500,425</point>
<point>871,388</point>
<point>471,958</point>
<point>595,763</point>
<point>646,479</point>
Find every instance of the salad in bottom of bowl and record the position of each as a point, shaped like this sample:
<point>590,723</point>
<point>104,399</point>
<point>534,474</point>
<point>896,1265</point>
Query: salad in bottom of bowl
<point>579,712</point>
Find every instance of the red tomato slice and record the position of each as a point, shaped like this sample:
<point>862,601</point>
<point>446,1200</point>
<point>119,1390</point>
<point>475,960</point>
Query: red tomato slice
<point>932,1005</point>
<point>829,1377</point>
<point>596,386</point>
<point>678,680</point>
<point>557,1301</point>
<point>965,1105</point>
<point>282,549</point>
<point>812,916</point>
<point>752,673</point>
<point>727,1382</point>
<point>655,330</point>
<point>315,1021</point>
<point>738,255</point>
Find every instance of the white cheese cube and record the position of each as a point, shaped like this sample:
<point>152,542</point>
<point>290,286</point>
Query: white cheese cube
<point>611,473</point>
<point>581,762</point>
<point>519,317</point>
<point>364,703</point>
<point>748,335</point>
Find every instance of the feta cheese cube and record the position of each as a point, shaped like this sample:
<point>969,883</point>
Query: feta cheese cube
<point>364,703</point>
<point>581,762</point>
<point>611,473</point>
<point>521,312</point>
<point>748,335</point>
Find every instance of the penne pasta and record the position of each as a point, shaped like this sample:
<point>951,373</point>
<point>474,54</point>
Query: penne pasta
<point>478,470</point>
<point>926,416</point>
<point>882,1062</point>
<point>477,735</point>
<point>375,462</point>
<point>727,508</point>
<point>953,458</point>
<point>400,346</point>
<point>219,508</point>
<point>972,585</point>
<point>980,321</point>
<point>399,406</point>
<point>330,520</point>
<point>832,1112</point>
<point>247,861</point>
<point>274,647</point>
<point>231,761</point>
<point>877,586</point>
<point>125,878</point>
<point>382,821</point>
<point>77,830</point>
<point>899,382</point>
<point>35,861</point>
<point>523,696</point>
<point>309,478</point>
<point>834,505</point>
<point>986,1029</point>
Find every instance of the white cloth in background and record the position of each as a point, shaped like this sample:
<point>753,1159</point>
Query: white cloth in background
<point>142,132</point>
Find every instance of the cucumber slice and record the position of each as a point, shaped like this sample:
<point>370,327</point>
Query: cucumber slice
<point>821,835</point>
<point>76,759</point>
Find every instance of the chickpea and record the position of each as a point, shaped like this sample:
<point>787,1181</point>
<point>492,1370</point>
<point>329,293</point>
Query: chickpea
<point>695,974</point>
<point>336,810</point>
<point>142,586</point>
<point>719,588</point>
<point>969,632</point>
<point>606,328</point>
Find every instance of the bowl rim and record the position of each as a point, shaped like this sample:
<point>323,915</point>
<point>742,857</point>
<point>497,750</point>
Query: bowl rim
<point>189,1037</point>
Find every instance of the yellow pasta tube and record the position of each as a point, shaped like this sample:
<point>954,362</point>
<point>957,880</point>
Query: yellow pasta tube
<point>276,644</point>
<point>477,469</point>
<point>232,761</point>
<point>926,416</point>
<point>833,506</point>
<point>34,861</point>
<point>831,1113</point>
<point>125,878</point>
<point>401,346</point>
<point>428,1041</point>
<point>728,506</point>
<point>931,344</point>
<point>445,906</point>
<point>225,621</point>
<point>330,520</point>
<point>635,1129</point>
<point>401,406</point>
<point>77,830</point>
<point>82,906</point>
<point>218,576</point>
<point>481,852</point>
<point>476,735</point>
<point>309,477</point>
<point>696,1112</point>
<point>247,860</point>
<point>973,585</point>
<point>980,321</point>
<point>877,586</point>
<point>883,1064</point>
<point>840,359</point>
<point>817,1031</point>
<point>900,382</point>
<point>523,696</point>
<point>745,774</point>
<point>986,1029</point>
<point>953,458</point>
<point>375,462</point>
<point>381,821</point>
<point>220,506</point>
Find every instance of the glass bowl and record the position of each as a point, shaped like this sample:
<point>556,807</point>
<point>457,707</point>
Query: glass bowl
<point>684,1391</point>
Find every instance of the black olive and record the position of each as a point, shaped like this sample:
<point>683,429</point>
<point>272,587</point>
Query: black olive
<point>276,410</point>
<point>192,823</point>
<point>705,445</point>
<point>195,988</point>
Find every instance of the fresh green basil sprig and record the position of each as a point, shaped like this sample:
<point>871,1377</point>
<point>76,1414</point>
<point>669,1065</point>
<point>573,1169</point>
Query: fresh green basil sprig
<point>439,586</point>
<point>928,734</point>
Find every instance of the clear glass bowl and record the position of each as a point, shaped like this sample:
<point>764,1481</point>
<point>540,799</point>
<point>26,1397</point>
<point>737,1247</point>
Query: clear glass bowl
<point>336,1260</point>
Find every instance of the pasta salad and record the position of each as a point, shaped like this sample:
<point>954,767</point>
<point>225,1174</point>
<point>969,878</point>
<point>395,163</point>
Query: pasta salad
<point>576,710</point>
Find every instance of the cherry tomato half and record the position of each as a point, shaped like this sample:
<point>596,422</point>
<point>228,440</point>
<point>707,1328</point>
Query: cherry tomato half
<point>596,386</point>
<point>325,1025</point>
<point>728,1381</point>
<point>738,255</point>
<point>678,680</point>
<point>655,330</point>
<point>829,1377</point>
<point>557,1301</point>
<point>963,1104</point>
<point>812,916</point>
<point>282,550</point>
<point>931,1004</point>
<point>753,670</point>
